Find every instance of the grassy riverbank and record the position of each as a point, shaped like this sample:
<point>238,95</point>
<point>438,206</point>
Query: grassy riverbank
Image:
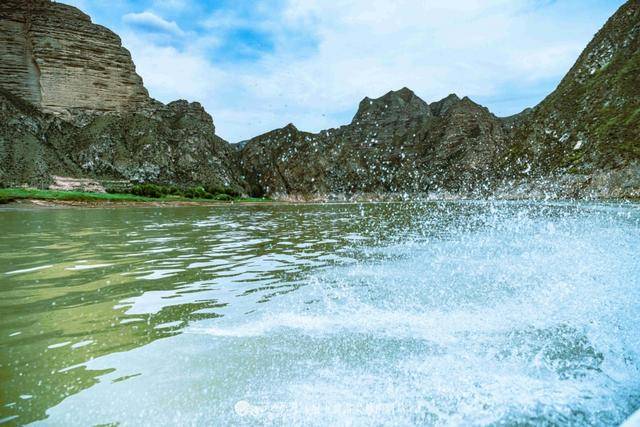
<point>8,195</point>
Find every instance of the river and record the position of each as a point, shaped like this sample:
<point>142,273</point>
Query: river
<point>441,313</point>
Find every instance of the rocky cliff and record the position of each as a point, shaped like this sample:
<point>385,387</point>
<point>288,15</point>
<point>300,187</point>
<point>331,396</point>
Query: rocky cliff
<point>71,104</point>
<point>53,56</point>
<point>172,144</point>
<point>583,140</point>
<point>395,144</point>
<point>585,136</point>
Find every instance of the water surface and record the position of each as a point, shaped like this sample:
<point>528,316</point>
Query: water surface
<point>448,313</point>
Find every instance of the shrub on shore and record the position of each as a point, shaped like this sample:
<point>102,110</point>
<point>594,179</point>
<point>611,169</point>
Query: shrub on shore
<point>148,190</point>
<point>196,193</point>
<point>210,192</point>
<point>222,190</point>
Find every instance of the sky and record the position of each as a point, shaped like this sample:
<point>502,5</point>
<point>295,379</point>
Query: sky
<point>259,65</point>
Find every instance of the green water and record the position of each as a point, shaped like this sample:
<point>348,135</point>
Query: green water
<point>442,313</point>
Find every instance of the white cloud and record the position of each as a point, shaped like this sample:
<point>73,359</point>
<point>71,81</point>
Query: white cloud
<point>171,73</point>
<point>479,48</point>
<point>150,21</point>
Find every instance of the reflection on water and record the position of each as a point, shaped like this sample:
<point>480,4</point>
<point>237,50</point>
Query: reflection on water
<point>442,313</point>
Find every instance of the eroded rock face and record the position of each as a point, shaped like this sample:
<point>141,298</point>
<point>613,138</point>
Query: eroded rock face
<point>27,155</point>
<point>585,136</point>
<point>72,105</point>
<point>53,56</point>
<point>172,144</point>
<point>395,144</point>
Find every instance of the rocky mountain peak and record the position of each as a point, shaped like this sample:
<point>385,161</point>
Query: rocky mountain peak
<point>620,33</point>
<point>405,94</point>
<point>286,131</point>
<point>439,108</point>
<point>291,128</point>
<point>394,104</point>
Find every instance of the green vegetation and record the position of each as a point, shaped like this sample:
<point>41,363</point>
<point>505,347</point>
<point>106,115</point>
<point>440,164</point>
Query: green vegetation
<point>206,193</point>
<point>633,118</point>
<point>11,194</point>
<point>8,195</point>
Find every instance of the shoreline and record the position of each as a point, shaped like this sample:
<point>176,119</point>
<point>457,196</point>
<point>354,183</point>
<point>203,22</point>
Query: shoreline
<point>55,198</point>
<point>39,203</point>
<point>54,203</point>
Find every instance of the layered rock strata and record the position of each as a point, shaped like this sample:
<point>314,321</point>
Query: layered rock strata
<point>53,56</point>
<point>71,104</point>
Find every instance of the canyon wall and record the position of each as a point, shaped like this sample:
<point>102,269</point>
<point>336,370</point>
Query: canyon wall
<point>71,104</point>
<point>53,56</point>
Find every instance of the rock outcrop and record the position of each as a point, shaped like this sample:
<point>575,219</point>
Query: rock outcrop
<point>585,136</point>
<point>172,144</point>
<point>71,104</point>
<point>53,56</point>
<point>395,144</point>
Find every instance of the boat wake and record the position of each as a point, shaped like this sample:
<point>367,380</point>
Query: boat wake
<point>525,317</point>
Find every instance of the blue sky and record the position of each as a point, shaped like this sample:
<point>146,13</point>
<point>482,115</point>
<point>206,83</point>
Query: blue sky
<point>258,65</point>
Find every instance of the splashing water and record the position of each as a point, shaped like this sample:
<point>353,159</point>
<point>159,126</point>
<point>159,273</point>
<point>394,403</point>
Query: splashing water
<point>438,314</point>
<point>528,318</point>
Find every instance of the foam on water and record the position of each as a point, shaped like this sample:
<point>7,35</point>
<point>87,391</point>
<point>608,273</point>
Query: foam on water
<point>531,317</point>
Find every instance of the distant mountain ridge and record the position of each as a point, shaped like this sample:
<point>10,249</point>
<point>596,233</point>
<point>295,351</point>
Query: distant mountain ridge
<point>71,104</point>
<point>395,144</point>
<point>583,140</point>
